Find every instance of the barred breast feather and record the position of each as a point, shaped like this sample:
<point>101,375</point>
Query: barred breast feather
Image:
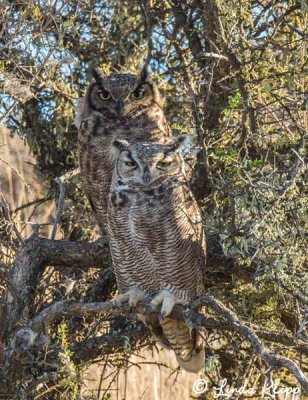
<point>157,242</point>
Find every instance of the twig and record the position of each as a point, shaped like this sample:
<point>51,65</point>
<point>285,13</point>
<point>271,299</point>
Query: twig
<point>6,211</point>
<point>4,276</point>
<point>148,26</point>
<point>70,174</point>
<point>50,314</point>
<point>19,176</point>
<point>214,56</point>
<point>40,68</point>
<point>59,208</point>
<point>31,203</point>
<point>271,359</point>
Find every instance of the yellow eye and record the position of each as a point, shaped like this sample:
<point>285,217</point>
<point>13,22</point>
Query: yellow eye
<point>165,163</point>
<point>137,94</point>
<point>130,163</point>
<point>104,95</point>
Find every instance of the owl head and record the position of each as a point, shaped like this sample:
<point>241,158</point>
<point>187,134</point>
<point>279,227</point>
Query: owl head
<point>148,165</point>
<point>118,95</point>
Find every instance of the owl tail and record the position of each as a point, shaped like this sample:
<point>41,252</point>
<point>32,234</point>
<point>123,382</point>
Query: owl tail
<point>188,346</point>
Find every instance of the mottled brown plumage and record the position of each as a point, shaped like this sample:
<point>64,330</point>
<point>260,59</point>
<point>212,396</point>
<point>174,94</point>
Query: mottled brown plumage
<point>157,240</point>
<point>120,106</point>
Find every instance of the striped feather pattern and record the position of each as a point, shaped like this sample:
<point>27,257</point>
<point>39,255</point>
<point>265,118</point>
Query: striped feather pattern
<point>98,129</point>
<point>96,160</point>
<point>157,242</point>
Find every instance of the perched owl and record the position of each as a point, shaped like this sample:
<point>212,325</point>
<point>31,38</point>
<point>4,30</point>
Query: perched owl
<point>157,240</point>
<point>119,106</point>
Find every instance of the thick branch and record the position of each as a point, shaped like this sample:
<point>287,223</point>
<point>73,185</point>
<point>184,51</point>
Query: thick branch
<point>34,256</point>
<point>37,253</point>
<point>56,310</point>
<point>232,323</point>
<point>61,253</point>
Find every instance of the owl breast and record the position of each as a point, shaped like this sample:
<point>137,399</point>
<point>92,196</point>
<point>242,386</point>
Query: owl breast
<point>157,241</point>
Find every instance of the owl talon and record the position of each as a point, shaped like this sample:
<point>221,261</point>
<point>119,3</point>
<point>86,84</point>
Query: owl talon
<point>161,316</point>
<point>167,300</point>
<point>133,296</point>
<point>120,299</point>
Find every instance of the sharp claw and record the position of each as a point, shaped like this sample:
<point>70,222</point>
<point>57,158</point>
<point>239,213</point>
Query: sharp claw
<point>161,315</point>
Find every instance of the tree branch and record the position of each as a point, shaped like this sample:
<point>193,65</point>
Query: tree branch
<point>271,359</point>
<point>37,253</point>
<point>56,310</point>
<point>232,322</point>
<point>59,207</point>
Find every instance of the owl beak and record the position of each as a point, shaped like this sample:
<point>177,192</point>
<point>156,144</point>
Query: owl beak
<point>119,107</point>
<point>146,175</point>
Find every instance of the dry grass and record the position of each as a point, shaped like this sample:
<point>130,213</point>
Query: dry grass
<point>19,187</point>
<point>149,375</point>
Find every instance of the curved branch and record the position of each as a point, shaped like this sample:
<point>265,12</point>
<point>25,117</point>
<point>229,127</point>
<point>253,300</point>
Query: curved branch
<point>35,255</point>
<point>271,359</point>
<point>56,310</point>
<point>232,322</point>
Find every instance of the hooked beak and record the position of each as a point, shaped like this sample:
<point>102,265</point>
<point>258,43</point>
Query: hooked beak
<point>120,107</point>
<point>146,175</point>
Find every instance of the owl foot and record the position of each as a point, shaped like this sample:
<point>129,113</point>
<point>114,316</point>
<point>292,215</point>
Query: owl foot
<point>133,296</point>
<point>167,300</point>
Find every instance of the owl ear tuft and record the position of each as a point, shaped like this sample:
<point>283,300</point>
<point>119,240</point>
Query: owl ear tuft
<point>120,145</point>
<point>143,74</point>
<point>96,74</point>
<point>177,143</point>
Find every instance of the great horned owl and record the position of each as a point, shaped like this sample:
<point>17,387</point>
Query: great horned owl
<point>120,106</point>
<point>157,240</point>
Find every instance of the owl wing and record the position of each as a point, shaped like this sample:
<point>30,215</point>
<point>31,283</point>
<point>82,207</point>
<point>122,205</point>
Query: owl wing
<point>182,260</point>
<point>180,253</point>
